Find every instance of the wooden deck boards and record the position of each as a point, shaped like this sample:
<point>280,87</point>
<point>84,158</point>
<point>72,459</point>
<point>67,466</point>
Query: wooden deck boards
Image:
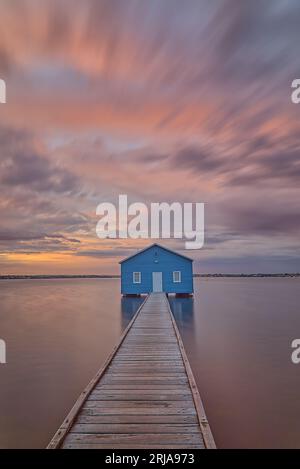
<point>145,396</point>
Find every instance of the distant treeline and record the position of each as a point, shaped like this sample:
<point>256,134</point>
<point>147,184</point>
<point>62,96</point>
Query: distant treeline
<point>297,274</point>
<point>20,277</point>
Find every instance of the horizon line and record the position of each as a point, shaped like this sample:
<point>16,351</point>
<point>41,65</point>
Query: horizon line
<point>49,276</point>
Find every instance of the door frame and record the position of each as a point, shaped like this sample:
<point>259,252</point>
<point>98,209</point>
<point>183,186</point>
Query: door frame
<point>158,284</point>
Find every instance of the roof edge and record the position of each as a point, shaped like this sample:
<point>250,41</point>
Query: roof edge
<point>151,246</point>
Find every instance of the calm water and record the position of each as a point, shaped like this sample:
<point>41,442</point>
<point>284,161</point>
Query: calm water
<point>237,333</point>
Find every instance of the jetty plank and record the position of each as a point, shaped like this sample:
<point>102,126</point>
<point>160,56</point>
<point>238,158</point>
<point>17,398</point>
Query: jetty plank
<point>145,396</point>
<point>129,428</point>
<point>175,419</point>
<point>135,438</point>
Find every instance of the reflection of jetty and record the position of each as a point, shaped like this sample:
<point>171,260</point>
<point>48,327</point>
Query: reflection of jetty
<point>145,396</point>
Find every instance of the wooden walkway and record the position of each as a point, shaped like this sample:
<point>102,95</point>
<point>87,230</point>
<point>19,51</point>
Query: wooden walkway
<point>145,396</point>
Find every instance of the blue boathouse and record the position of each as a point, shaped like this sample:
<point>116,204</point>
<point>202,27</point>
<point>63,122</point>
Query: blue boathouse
<point>157,269</point>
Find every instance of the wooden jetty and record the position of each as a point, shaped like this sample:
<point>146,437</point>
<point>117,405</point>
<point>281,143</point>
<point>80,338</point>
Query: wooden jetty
<point>145,396</point>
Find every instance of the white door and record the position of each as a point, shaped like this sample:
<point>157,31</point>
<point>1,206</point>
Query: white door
<point>156,281</point>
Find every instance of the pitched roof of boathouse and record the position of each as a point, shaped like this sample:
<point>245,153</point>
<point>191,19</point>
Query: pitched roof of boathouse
<point>157,246</point>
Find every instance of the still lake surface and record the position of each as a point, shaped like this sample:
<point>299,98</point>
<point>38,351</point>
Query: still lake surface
<point>237,334</point>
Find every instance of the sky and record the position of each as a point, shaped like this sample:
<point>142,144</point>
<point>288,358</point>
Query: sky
<point>162,101</point>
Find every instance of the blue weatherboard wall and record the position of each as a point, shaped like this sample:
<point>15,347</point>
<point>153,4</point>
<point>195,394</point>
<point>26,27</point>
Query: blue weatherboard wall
<point>156,259</point>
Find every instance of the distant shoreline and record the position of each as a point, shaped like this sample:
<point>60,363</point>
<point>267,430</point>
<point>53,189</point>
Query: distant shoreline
<point>41,277</point>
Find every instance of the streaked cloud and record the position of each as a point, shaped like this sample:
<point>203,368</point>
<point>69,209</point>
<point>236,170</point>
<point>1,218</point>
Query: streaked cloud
<point>169,100</point>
